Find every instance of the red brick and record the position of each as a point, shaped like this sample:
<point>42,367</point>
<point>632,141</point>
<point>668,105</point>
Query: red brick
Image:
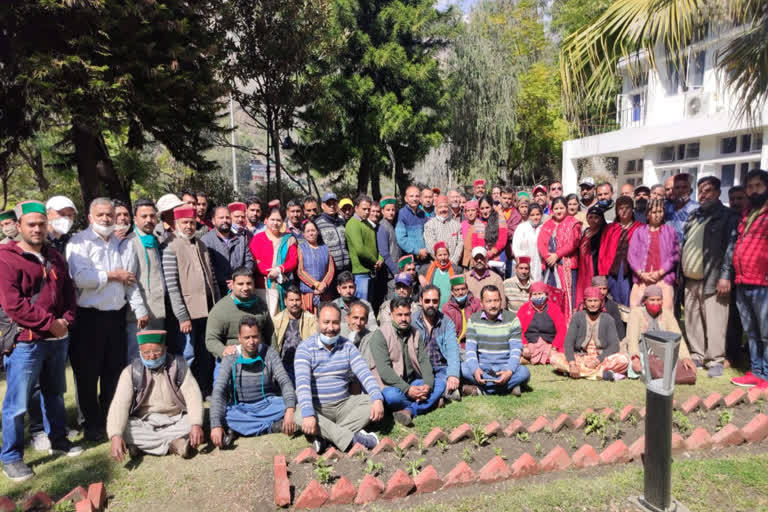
<point>77,494</point>
<point>282,484</point>
<point>306,455</point>
<point>699,440</point>
<point>435,435</point>
<point>513,428</point>
<point>691,404</point>
<point>39,500</point>
<point>729,435</point>
<point>585,457</point>
<point>757,429</point>
<point>370,489</point>
<point>562,421</point>
<point>493,429</point>
<point>399,485</point>
<point>735,397</point>
<point>357,448</point>
<point>428,480</point>
<point>84,506</point>
<point>755,394</point>
<point>409,442</point>
<point>627,412</point>
<point>343,492</point>
<point>713,400</point>
<point>385,445</point>
<point>461,432</point>
<point>637,449</point>
<point>556,460</point>
<point>314,496</point>
<point>607,413</point>
<point>678,443</point>
<point>459,476</point>
<point>332,454</point>
<point>495,471</point>
<point>616,453</point>
<point>579,422</point>
<point>525,465</point>
<point>7,504</point>
<point>539,424</point>
<point>97,493</point>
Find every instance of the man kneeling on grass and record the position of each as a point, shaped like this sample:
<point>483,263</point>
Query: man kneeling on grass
<point>253,394</point>
<point>325,364</point>
<point>402,365</point>
<point>158,407</point>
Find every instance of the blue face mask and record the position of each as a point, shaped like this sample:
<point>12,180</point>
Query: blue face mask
<point>153,364</point>
<point>329,341</point>
<point>462,299</point>
<point>604,202</point>
<point>539,301</point>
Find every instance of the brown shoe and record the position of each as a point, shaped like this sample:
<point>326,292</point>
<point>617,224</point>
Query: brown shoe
<point>180,447</point>
<point>470,390</point>
<point>403,417</point>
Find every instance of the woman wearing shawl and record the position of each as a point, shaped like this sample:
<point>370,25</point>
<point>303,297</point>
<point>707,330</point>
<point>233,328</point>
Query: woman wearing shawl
<point>525,239</point>
<point>440,272</point>
<point>491,234</point>
<point>276,258</point>
<point>468,227</point>
<point>614,248</point>
<point>653,256</point>
<point>543,326</point>
<point>315,269</point>
<point>558,245</point>
<point>589,249</point>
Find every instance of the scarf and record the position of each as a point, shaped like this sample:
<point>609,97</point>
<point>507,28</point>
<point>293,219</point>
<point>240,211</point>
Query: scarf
<point>243,304</point>
<point>282,253</point>
<point>434,265</point>
<point>241,360</point>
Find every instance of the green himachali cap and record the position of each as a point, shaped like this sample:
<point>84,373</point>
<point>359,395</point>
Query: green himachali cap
<point>387,200</point>
<point>26,207</point>
<point>151,337</point>
<point>457,280</point>
<point>405,260</point>
<point>8,214</point>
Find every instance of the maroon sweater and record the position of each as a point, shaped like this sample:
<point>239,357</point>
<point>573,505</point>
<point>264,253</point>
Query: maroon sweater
<point>21,275</point>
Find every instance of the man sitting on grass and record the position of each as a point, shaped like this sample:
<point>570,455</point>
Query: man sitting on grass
<point>158,407</point>
<point>493,349</point>
<point>253,394</point>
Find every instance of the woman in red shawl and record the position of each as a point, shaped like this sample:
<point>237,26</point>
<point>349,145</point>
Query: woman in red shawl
<point>589,249</point>
<point>559,249</point>
<point>614,248</point>
<point>543,325</point>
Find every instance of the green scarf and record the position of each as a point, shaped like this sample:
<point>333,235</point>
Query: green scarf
<point>243,304</point>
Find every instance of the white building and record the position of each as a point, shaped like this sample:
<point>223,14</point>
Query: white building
<point>665,125</point>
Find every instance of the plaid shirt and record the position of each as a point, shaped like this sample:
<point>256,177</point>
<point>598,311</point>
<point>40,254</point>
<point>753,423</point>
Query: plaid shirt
<point>750,254</point>
<point>448,231</point>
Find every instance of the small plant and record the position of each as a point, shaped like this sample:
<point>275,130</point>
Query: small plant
<point>633,420</point>
<point>681,422</point>
<point>372,468</point>
<point>443,445</point>
<point>538,450</point>
<point>523,437</point>
<point>595,423</point>
<point>399,452</point>
<point>323,471</point>
<point>414,467</point>
<point>467,456</point>
<point>361,455</point>
<point>67,506</point>
<point>723,418</point>
<point>479,439</point>
<point>498,453</point>
<point>574,443</point>
<point>421,448</point>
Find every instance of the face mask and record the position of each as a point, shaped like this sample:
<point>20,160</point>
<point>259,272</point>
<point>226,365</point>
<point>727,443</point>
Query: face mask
<point>441,219</point>
<point>329,341</point>
<point>757,200</point>
<point>122,228</point>
<point>462,299</point>
<point>244,304</point>
<point>539,301</point>
<point>62,225</point>
<point>235,228</point>
<point>153,364</point>
<point>604,202</point>
<point>102,230</point>
<point>653,309</point>
<point>248,360</point>
<point>11,231</point>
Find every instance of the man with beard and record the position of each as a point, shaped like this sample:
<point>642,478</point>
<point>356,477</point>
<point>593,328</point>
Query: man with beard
<point>750,261</point>
<point>706,258</point>
<point>325,366</point>
<point>591,347</point>
<point>9,226</point>
<point>293,217</point>
<point>642,195</point>
<point>292,325</point>
<point>517,288</point>
<point>588,197</point>
<point>481,276</point>
<point>202,209</point>
<point>680,208</point>
<point>310,208</point>
<point>443,228</point>
<point>540,196</point>
<point>61,213</point>
<point>192,290</point>
<point>226,250</point>
<point>605,201</point>
<point>254,224</point>
<point>190,199</point>
<point>345,286</point>
<point>403,367</point>
<point>122,219</point>
<point>455,199</point>
<point>403,288</point>
<point>427,202</point>
<point>331,228</point>
<point>479,189</point>
<point>356,329</point>
<point>239,222</point>
<point>386,241</point>
<point>460,307</point>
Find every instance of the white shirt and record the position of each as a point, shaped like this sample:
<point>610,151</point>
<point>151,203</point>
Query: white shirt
<point>90,258</point>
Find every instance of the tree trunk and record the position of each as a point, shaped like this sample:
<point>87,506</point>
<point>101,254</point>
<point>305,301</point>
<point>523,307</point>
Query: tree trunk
<point>34,159</point>
<point>376,184</point>
<point>95,170</point>
<point>276,148</point>
<point>364,176</point>
<point>401,179</point>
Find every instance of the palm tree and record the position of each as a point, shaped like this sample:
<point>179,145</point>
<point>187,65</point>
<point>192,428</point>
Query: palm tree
<point>589,57</point>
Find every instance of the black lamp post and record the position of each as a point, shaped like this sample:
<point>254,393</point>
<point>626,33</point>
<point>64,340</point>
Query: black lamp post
<point>657,465</point>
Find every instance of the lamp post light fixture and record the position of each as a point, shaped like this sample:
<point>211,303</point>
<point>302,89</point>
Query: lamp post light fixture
<point>657,460</point>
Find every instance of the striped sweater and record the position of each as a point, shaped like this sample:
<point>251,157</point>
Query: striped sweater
<point>322,375</point>
<point>493,343</point>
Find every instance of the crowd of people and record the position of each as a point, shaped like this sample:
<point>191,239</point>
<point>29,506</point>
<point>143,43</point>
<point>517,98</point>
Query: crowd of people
<point>320,316</point>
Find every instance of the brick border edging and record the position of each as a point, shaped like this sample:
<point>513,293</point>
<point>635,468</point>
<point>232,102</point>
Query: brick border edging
<point>428,480</point>
<point>92,500</point>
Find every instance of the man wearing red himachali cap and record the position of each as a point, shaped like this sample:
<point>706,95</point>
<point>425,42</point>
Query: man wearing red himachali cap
<point>479,189</point>
<point>442,227</point>
<point>193,291</point>
<point>237,212</point>
<point>440,272</point>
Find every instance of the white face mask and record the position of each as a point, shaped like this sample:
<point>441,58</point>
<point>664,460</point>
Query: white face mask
<point>10,231</point>
<point>102,230</point>
<point>62,225</point>
<point>122,228</point>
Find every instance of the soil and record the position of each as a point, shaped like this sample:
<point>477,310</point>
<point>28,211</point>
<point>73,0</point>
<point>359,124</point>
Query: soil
<point>446,457</point>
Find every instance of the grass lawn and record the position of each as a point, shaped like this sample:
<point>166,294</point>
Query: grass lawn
<point>240,479</point>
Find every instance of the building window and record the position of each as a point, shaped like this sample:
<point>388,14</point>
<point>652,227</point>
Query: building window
<point>696,69</point>
<point>751,142</point>
<point>728,145</point>
<point>746,142</point>
<point>692,151</point>
<point>667,154</point>
<point>637,107</point>
<point>727,173</point>
<point>630,166</point>
<point>743,170</point>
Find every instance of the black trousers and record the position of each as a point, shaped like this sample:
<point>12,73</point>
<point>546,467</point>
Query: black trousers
<point>97,353</point>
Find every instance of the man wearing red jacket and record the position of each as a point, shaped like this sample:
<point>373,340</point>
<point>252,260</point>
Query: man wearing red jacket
<point>461,306</point>
<point>750,263</point>
<point>37,294</point>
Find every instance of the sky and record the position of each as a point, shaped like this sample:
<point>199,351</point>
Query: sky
<point>465,5</point>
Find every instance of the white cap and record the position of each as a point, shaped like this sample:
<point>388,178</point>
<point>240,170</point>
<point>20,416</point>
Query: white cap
<point>587,181</point>
<point>479,250</point>
<point>168,202</point>
<point>58,203</point>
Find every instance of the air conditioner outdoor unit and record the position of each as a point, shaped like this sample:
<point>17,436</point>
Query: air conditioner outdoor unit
<point>696,104</point>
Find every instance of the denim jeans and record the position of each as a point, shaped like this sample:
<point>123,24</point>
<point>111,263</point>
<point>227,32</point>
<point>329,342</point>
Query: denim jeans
<point>192,346</point>
<point>520,376</point>
<point>256,418</point>
<point>43,360</point>
<point>361,284</point>
<point>752,302</point>
<point>397,400</point>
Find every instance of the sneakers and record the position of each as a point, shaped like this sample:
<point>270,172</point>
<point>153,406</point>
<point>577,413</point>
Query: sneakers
<point>749,380</point>
<point>714,371</point>
<point>64,446</point>
<point>18,471</point>
<point>180,447</point>
<point>40,442</point>
<point>228,440</point>
<point>403,417</point>
<point>367,439</point>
